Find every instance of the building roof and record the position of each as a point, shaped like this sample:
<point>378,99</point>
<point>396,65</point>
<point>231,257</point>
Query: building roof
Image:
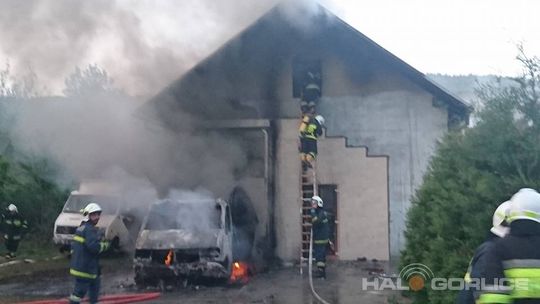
<point>330,30</point>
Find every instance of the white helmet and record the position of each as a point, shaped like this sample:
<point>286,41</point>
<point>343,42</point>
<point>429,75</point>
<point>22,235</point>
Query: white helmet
<point>320,119</point>
<point>499,216</point>
<point>91,208</point>
<point>12,208</point>
<point>319,200</point>
<point>525,204</point>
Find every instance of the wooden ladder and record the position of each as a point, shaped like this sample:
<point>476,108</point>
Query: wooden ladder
<point>308,188</point>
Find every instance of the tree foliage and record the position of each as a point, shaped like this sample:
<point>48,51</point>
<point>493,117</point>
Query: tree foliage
<point>25,180</point>
<point>89,82</point>
<point>13,87</point>
<point>472,172</point>
<point>30,187</point>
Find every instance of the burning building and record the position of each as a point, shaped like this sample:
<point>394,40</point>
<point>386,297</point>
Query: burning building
<point>383,120</point>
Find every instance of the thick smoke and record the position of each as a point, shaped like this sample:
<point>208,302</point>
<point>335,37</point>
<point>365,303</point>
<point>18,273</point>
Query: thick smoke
<point>143,44</point>
<point>89,136</point>
<point>102,136</point>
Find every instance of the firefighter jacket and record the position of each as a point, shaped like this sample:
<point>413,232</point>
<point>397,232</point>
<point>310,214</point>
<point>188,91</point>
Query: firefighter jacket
<point>320,226</point>
<point>476,270</point>
<point>13,225</point>
<point>86,247</point>
<point>310,128</point>
<point>513,266</point>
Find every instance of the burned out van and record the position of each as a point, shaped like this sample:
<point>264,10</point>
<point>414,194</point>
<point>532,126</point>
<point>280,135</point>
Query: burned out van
<point>182,239</point>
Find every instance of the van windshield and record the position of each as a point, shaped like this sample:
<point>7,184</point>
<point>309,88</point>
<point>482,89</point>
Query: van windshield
<point>76,202</point>
<point>191,216</point>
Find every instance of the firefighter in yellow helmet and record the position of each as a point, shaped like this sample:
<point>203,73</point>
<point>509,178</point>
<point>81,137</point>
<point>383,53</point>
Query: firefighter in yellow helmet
<point>513,264</point>
<point>86,248</point>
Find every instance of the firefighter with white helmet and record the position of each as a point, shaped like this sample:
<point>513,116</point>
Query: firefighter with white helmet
<point>14,226</point>
<point>516,257</point>
<point>476,269</point>
<point>321,234</point>
<point>86,248</point>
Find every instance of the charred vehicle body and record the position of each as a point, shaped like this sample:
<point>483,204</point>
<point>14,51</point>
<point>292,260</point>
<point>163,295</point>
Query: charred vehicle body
<point>184,239</point>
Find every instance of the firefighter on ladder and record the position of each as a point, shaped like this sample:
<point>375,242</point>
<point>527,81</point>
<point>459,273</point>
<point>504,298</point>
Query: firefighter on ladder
<point>513,263</point>
<point>321,234</point>
<point>311,92</point>
<point>310,129</point>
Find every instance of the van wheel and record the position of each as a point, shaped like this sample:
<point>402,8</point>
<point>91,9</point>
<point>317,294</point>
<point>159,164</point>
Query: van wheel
<point>65,250</point>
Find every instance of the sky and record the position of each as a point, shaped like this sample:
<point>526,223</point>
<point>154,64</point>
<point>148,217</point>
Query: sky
<point>145,44</point>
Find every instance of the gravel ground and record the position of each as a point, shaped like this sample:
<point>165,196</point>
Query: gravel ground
<point>283,285</point>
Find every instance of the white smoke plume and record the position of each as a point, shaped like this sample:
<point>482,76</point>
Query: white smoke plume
<point>143,44</point>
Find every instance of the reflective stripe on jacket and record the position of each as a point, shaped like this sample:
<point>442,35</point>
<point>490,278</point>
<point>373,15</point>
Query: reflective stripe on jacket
<point>13,225</point>
<point>86,248</point>
<point>476,270</point>
<point>513,266</point>
<point>320,226</point>
<point>310,128</point>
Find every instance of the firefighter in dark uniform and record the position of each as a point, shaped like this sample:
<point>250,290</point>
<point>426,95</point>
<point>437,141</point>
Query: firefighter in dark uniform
<point>13,226</point>
<point>310,129</point>
<point>86,248</point>
<point>311,92</point>
<point>513,264</point>
<point>477,266</point>
<point>321,234</point>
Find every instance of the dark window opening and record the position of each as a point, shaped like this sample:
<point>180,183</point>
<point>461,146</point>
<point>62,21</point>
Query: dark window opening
<point>305,71</point>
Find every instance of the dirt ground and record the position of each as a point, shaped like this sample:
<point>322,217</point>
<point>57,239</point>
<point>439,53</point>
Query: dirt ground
<point>283,285</point>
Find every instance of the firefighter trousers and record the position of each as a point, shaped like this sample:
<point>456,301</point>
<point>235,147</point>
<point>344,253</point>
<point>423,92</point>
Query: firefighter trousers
<point>82,286</point>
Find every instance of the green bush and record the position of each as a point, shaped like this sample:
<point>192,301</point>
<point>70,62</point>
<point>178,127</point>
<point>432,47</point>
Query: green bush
<point>472,172</point>
<point>38,198</point>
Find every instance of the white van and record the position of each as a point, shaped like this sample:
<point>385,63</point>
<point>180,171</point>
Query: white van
<point>112,224</point>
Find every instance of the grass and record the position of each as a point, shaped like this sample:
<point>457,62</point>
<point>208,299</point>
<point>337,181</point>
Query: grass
<point>46,260</point>
<point>46,256</point>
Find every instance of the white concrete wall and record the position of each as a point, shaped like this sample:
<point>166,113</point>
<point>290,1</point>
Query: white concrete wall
<point>392,117</point>
<point>362,196</point>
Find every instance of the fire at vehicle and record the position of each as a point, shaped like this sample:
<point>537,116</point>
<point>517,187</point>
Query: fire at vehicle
<point>184,239</point>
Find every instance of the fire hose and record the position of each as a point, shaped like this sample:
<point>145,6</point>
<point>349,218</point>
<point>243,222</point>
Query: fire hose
<point>310,270</point>
<point>112,299</point>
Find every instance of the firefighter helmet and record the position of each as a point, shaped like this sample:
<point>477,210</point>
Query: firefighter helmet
<point>500,216</point>
<point>91,208</point>
<point>318,199</point>
<point>525,204</point>
<point>320,119</point>
<point>12,208</point>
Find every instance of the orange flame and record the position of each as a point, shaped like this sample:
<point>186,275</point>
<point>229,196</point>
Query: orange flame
<point>168,258</point>
<point>239,273</point>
